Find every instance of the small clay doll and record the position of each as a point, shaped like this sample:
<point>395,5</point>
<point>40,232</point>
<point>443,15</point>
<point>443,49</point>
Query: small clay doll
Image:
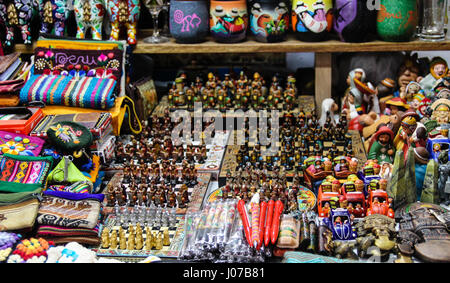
<point>382,148</point>
<point>411,133</point>
<point>441,111</point>
<point>329,110</point>
<point>438,69</point>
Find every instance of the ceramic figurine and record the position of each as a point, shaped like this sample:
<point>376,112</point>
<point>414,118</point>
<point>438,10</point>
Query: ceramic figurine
<point>89,15</point>
<point>441,111</point>
<point>411,133</point>
<point>329,110</point>
<point>53,13</point>
<point>269,20</point>
<point>311,19</point>
<point>438,69</point>
<point>124,13</point>
<point>382,148</point>
<point>408,72</point>
<point>18,15</point>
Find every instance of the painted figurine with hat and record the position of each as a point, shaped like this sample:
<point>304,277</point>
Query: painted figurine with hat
<point>411,132</point>
<point>441,111</point>
<point>438,70</point>
<point>382,148</point>
<point>408,72</point>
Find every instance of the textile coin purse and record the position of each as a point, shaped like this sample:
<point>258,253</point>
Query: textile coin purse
<point>18,211</point>
<point>72,210</point>
<point>69,136</point>
<point>70,177</point>
<point>18,144</point>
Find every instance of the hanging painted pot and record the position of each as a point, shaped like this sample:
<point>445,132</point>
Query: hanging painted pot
<point>352,20</point>
<point>228,20</point>
<point>189,20</point>
<point>269,20</point>
<point>312,20</point>
<point>397,20</point>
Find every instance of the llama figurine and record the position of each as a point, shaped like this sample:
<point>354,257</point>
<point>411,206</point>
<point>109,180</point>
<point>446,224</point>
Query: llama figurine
<point>53,13</point>
<point>89,14</point>
<point>18,14</point>
<point>124,13</point>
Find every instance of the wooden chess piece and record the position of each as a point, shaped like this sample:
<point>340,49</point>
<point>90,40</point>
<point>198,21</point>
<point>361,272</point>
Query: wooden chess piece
<point>139,242</point>
<point>113,240</point>
<point>131,242</point>
<point>159,242</point>
<point>153,239</point>
<point>166,238</point>
<point>105,238</point>
<point>122,242</point>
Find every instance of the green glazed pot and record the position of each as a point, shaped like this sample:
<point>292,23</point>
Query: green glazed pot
<point>397,20</point>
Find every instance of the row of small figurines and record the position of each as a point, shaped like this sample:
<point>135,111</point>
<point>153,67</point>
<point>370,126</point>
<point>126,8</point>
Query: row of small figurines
<point>142,196</point>
<point>231,94</point>
<point>135,240</point>
<point>177,154</point>
<point>152,215</point>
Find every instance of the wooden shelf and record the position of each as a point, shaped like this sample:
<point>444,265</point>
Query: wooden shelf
<point>290,45</point>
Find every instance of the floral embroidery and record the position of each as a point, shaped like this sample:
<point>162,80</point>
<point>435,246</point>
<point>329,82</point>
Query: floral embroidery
<point>100,64</point>
<point>12,147</point>
<point>66,133</point>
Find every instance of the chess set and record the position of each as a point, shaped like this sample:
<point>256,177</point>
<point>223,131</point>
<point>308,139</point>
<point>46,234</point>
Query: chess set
<point>118,192</point>
<point>158,234</point>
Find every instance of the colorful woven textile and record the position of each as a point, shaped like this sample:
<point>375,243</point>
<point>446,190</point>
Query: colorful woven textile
<point>302,257</point>
<point>18,144</point>
<point>87,92</point>
<point>57,231</point>
<point>24,169</point>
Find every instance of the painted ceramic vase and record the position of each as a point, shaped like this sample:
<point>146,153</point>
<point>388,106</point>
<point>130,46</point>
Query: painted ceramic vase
<point>397,20</point>
<point>269,20</point>
<point>312,20</point>
<point>352,20</point>
<point>228,20</point>
<point>189,20</point>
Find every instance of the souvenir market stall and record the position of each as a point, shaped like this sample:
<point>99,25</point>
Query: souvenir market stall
<point>142,131</point>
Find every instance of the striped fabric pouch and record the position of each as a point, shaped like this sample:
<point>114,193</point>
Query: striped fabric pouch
<point>86,92</point>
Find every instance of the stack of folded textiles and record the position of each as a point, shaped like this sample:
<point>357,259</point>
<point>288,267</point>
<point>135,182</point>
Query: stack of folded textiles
<point>65,217</point>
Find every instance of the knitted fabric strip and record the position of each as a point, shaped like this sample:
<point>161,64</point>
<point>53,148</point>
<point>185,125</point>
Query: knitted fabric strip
<point>85,92</point>
<point>57,231</point>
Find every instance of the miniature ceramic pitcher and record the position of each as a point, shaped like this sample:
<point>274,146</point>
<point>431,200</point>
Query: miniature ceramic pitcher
<point>397,20</point>
<point>312,19</point>
<point>189,20</point>
<point>89,15</point>
<point>269,20</point>
<point>352,20</point>
<point>228,20</point>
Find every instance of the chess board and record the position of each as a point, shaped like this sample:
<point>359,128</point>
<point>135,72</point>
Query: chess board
<point>229,163</point>
<point>196,193</point>
<point>306,101</point>
<point>176,235</point>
